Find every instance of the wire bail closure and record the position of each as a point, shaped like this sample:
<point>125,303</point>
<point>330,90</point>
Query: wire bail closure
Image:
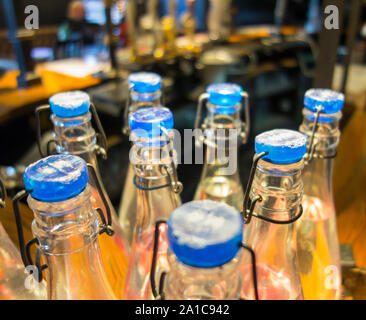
<point>103,147</point>
<point>249,204</point>
<point>126,126</point>
<point>24,248</point>
<point>309,155</point>
<point>311,148</point>
<point>245,124</point>
<point>201,100</point>
<point>171,172</point>
<point>106,226</point>
<point>247,207</point>
<point>2,195</point>
<point>100,149</point>
<point>171,169</point>
<point>159,294</point>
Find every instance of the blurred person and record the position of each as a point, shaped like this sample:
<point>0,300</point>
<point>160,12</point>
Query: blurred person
<point>76,27</point>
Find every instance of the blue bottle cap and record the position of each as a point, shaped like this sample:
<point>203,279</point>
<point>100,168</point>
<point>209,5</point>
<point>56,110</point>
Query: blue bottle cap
<point>204,233</point>
<point>283,146</point>
<point>56,178</point>
<point>330,101</point>
<point>70,104</point>
<point>225,95</point>
<point>145,82</point>
<point>147,122</point>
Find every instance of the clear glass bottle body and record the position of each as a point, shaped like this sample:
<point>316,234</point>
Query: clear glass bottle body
<point>152,205</point>
<point>128,204</point>
<point>13,276</point>
<point>216,186</point>
<point>278,275</point>
<point>67,232</point>
<point>317,239</point>
<point>76,136</point>
<point>184,282</point>
<point>216,183</point>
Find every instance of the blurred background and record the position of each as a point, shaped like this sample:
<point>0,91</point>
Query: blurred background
<point>275,50</point>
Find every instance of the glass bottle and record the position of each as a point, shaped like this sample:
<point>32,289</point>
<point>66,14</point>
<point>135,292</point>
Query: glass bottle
<point>66,227</point>
<point>224,130</point>
<point>204,256</point>
<point>317,239</point>
<point>74,134</point>
<point>157,186</point>
<point>272,203</point>
<point>144,91</point>
<point>12,275</point>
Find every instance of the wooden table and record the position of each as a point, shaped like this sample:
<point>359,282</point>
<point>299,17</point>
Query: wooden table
<point>349,182</point>
<point>14,101</point>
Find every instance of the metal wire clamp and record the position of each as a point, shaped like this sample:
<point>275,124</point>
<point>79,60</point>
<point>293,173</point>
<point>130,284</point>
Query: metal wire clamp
<point>159,293</point>
<point>249,204</point>
<point>25,248</point>
<point>105,226</point>
<point>102,149</point>
<point>311,148</point>
<point>171,169</point>
<point>246,124</point>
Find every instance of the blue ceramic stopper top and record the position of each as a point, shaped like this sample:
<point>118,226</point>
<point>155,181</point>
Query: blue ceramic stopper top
<point>283,146</point>
<point>56,178</point>
<point>330,101</point>
<point>70,104</point>
<point>145,82</point>
<point>147,122</point>
<point>224,95</point>
<point>204,233</point>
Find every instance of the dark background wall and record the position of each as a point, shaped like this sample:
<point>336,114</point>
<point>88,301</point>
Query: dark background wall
<point>262,11</point>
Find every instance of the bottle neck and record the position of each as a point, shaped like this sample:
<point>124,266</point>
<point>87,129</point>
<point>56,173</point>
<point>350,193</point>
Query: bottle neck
<point>189,283</point>
<point>75,135</point>
<point>280,187</point>
<point>317,175</point>
<point>327,133</point>
<point>153,174</point>
<point>139,100</point>
<point>223,135</point>
<point>219,117</point>
<point>67,234</point>
<point>149,158</point>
